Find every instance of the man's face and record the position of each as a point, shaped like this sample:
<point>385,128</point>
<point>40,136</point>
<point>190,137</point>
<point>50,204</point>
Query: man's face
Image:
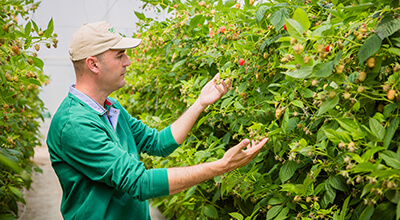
<point>113,68</point>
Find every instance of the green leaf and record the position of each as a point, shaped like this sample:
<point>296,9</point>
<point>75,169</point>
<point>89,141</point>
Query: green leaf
<point>390,161</point>
<point>287,170</point>
<point>338,183</point>
<point>236,215</point>
<point>276,200</point>
<point>394,125</point>
<point>328,105</point>
<point>384,210</point>
<point>323,70</point>
<point>369,48</point>
<point>50,28</point>
<point>15,191</point>
<point>278,18</point>
<point>38,62</point>
<point>274,211</point>
<point>226,102</point>
<point>337,136</point>
<point>230,3</point>
<point>357,7</point>
<point>387,27</point>
<point>201,121</point>
<point>398,211</point>
<point>189,192</point>
<point>344,208</point>
<point>261,12</point>
<point>319,32</point>
<point>283,214</point>
<point>196,20</point>
<point>302,73</point>
<point>377,128</point>
<point>394,50</point>
<point>140,16</point>
<point>294,28</point>
<point>300,15</point>
<point>178,64</point>
<point>298,103</point>
<point>367,213</point>
<point>330,194</point>
<point>28,29</point>
<point>285,121</point>
<point>348,124</point>
<point>210,211</point>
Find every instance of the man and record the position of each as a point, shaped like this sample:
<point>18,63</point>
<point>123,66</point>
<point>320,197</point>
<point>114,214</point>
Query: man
<point>95,144</point>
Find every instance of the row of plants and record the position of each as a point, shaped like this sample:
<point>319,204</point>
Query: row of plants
<point>319,78</point>
<point>21,76</point>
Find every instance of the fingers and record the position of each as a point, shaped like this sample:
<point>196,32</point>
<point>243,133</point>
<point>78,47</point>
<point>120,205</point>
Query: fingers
<point>244,143</point>
<point>257,147</point>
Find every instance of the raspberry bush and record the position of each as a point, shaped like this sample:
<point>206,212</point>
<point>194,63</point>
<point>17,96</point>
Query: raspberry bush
<point>319,78</point>
<point>21,76</point>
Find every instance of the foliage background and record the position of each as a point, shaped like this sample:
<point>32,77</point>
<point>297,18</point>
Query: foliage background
<point>21,76</point>
<point>331,112</point>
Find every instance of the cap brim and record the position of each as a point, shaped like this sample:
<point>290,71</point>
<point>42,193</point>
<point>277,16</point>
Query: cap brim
<point>127,43</point>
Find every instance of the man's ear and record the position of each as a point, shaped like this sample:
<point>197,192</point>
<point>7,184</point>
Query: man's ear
<point>93,64</point>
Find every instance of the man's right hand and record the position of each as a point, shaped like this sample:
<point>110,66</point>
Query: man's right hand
<point>181,178</point>
<point>238,156</point>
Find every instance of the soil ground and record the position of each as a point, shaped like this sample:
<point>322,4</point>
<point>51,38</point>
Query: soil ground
<point>44,198</point>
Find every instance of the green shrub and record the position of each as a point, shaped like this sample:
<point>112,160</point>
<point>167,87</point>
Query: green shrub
<point>319,78</point>
<point>21,76</point>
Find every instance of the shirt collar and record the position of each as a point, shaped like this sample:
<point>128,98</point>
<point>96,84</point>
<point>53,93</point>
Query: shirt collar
<point>89,101</point>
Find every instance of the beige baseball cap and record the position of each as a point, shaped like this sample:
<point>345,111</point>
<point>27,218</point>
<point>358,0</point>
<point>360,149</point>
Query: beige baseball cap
<point>95,38</point>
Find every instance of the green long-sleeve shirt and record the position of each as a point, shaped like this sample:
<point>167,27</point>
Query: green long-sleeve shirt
<point>95,154</point>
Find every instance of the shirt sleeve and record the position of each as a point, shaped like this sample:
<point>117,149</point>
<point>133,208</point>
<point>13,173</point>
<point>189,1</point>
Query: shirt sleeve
<point>87,147</point>
<point>149,140</point>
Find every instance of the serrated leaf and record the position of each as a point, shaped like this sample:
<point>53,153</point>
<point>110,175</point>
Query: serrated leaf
<point>201,121</point>
<point>237,105</point>
<point>348,124</point>
<point>298,103</point>
<point>300,15</point>
<point>338,183</point>
<point>274,211</point>
<point>226,102</point>
<point>319,32</point>
<point>377,128</point>
<point>140,16</point>
<point>285,121</point>
<point>283,214</point>
<point>323,70</point>
<point>50,29</point>
<point>236,215</point>
<point>278,18</point>
<point>261,12</point>
<point>394,50</point>
<point>369,48</point>
<point>294,28</point>
<point>337,136</point>
<point>196,20</point>
<point>367,213</point>
<point>210,211</point>
<point>387,27</point>
<point>328,105</point>
<point>189,192</point>
<point>394,125</point>
<point>301,73</point>
<point>390,161</point>
<point>178,64</point>
<point>287,170</point>
<point>28,29</point>
<point>330,194</point>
